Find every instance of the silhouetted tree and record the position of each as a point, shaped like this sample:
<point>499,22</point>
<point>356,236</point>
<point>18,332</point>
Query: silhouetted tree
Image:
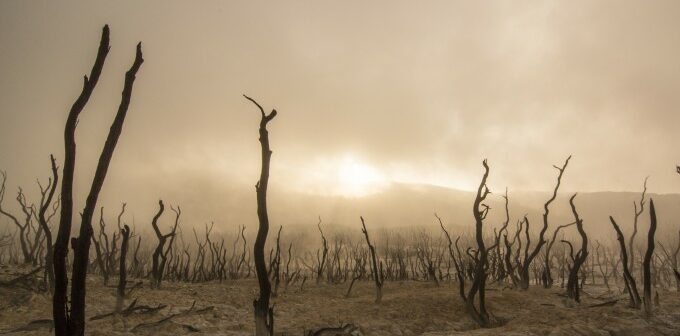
<point>72,321</point>
<point>24,226</point>
<point>479,259</point>
<point>377,271</point>
<point>638,209</point>
<point>160,254</point>
<point>264,314</point>
<point>547,274</point>
<point>647,274</point>
<point>43,219</point>
<point>122,279</point>
<point>321,261</point>
<point>526,264</point>
<point>579,258</point>
<point>628,279</point>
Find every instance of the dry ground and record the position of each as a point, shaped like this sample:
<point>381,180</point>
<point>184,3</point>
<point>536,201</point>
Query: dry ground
<point>408,308</point>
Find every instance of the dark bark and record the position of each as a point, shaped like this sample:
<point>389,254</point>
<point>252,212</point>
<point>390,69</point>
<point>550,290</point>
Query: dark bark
<point>73,322</point>
<point>122,279</point>
<point>264,314</point>
<point>377,273</point>
<point>62,325</point>
<point>160,254</point>
<point>647,274</point>
<point>321,261</point>
<point>25,228</point>
<point>637,212</point>
<point>547,273</point>
<point>82,249</point>
<point>45,202</point>
<point>580,258</point>
<point>524,271</point>
<point>628,278</point>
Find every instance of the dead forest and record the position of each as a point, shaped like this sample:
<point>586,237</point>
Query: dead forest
<point>52,251</point>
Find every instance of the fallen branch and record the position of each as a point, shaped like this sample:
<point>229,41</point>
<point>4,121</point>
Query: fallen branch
<point>132,308</point>
<point>604,304</point>
<point>20,279</point>
<point>32,326</point>
<point>170,317</point>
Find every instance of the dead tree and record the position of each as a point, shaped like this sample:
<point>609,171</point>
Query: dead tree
<point>105,251</point>
<point>275,264</point>
<point>547,274</point>
<point>526,263</point>
<point>360,259</point>
<point>602,264</point>
<point>72,321</point>
<point>638,208</point>
<point>234,263</point>
<point>579,258</point>
<point>672,258</point>
<point>160,254</point>
<point>43,219</point>
<point>628,279</point>
<point>264,314</point>
<point>122,269</point>
<point>377,272</point>
<point>321,261</point>
<point>647,274</point>
<point>25,227</point>
<point>479,260</point>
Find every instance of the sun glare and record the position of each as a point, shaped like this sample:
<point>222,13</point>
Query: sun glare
<point>355,178</point>
<point>343,175</point>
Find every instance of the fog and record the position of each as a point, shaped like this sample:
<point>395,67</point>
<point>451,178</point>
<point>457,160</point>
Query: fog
<point>368,95</point>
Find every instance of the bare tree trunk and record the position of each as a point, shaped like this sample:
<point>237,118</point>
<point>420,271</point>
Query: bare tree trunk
<point>321,261</point>
<point>264,314</point>
<point>82,247</point>
<point>524,270</point>
<point>628,279</point>
<point>377,272</point>
<point>580,258</point>
<point>74,323</point>
<point>42,219</point>
<point>647,275</point>
<point>62,325</point>
<point>122,279</point>
<point>637,212</point>
<point>547,274</point>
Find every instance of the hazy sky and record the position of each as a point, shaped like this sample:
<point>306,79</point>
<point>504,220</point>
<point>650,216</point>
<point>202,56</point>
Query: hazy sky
<point>368,92</point>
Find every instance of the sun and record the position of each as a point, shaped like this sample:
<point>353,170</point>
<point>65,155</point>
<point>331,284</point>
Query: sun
<point>346,175</point>
<point>356,178</point>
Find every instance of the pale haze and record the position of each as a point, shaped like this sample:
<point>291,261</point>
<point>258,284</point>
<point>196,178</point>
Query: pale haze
<point>368,94</point>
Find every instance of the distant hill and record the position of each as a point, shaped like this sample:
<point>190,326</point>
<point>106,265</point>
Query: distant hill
<point>396,206</point>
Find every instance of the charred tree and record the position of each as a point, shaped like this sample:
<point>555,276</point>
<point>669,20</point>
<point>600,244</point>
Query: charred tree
<point>43,219</point>
<point>160,254</point>
<point>579,258</point>
<point>638,209</point>
<point>628,278</point>
<point>646,269</point>
<point>25,227</point>
<point>62,321</point>
<point>122,279</point>
<point>526,264</point>
<point>479,260</point>
<point>377,272</point>
<point>547,273</point>
<point>264,314</point>
<point>72,321</point>
<point>324,254</point>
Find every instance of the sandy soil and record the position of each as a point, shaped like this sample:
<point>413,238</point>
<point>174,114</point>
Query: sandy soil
<point>408,308</point>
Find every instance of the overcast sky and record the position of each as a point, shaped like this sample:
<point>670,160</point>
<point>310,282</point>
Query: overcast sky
<point>368,92</point>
